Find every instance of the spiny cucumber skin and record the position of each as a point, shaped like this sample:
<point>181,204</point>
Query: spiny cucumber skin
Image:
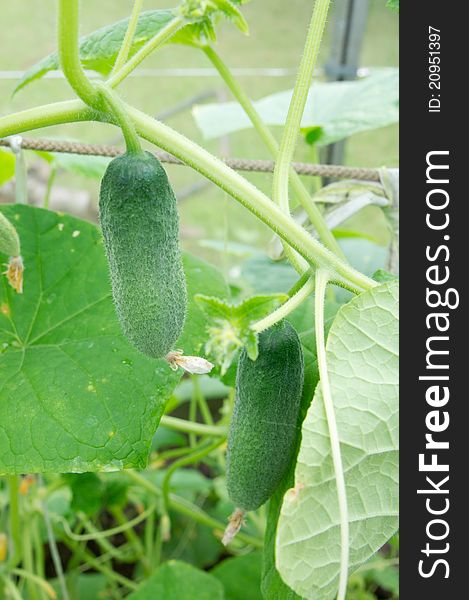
<point>263,430</point>
<point>140,224</point>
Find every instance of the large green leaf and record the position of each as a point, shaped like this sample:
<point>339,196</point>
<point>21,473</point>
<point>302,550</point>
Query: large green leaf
<point>362,352</point>
<point>81,587</point>
<point>99,49</point>
<point>241,576</point>
<point>339,109</point>
<point>74,394</point>
<point>176,580</point>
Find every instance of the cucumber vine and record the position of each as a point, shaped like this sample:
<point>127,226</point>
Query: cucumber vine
<point>319,263</point>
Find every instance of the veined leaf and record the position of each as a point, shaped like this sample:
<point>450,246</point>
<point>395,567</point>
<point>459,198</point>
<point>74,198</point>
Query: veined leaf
<point>339,109</point>
<point>74,394</point>
<point>362,353</point>
<point>176,580</point>
<point>240,576</point>
<point>99,49</point>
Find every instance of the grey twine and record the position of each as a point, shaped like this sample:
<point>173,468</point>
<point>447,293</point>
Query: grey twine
<point>239,164</point>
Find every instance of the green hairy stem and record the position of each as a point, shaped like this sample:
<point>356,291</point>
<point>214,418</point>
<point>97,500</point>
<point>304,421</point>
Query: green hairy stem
<point>203,162</point>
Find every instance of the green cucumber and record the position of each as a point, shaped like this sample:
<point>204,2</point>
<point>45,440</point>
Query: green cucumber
<point>140,225</point>
<point>263,430</point>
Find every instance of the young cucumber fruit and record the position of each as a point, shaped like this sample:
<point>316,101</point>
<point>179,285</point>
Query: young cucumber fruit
<point>262,436</point>
<point>140,225</point>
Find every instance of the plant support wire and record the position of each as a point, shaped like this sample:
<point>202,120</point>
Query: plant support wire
<point>238,164</point>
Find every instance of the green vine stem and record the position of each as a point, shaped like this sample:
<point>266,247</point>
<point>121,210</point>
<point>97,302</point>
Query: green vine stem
<point>297,104</point>
<point>286,308</point>
<point>247,194</point>
<point>132,141</point>
<point>300,282</point>
<point>54,551</point>
<point>96,564</point>
<point>206,164</point>
<point>172,453</point>
<point>192,419</point>
<point>37,581</point>
<point>190,427</point>
<point>194,512</point>
<point>149,539</point>
<point>14,514</point>
<point>156,41</point>
<point>201,401</point>
<point>272,145</point>
<point>28,563</point>
<point>157,548</point>
<point>194,457</point>
<point>11,588</point>
<point>69,52</point>
<point>38,547</point>
<point>120,553</point>
<point>322,278</point>
<point>131,536</point>
<point>87,537</point>
<point>129,36</point>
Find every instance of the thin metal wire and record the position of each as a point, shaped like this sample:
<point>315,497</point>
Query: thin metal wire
<point>239,164</point>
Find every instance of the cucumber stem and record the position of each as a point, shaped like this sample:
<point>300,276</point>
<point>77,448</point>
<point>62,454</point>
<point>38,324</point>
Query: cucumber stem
<point>322,279</point>
<point>298,102</point>
<point>248,195</point>
<point>131,138</point>
<point>190,427</point>
<point>203,162</point>
<point>300,282</point>
<point>68,43</point>
<point>289,306</point>
<point>128,38</point>
<point>295,112</point>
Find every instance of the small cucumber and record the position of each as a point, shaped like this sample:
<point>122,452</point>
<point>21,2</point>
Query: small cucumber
<point>140,225</point>
<point>262,436</point>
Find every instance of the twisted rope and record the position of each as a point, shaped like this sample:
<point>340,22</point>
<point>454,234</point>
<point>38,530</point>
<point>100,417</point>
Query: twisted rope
<point>238,164</point>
